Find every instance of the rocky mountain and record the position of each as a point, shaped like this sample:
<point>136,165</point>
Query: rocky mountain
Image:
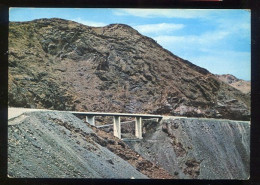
<point>242,85</point>
<point>60,64</point>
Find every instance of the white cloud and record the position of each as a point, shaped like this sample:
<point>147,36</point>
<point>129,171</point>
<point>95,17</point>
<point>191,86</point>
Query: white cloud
<point>198,42</point>
<point>162,28</point>
<point>89,23</point>
<point>169,13</point>
<point>211,51</point>
<point>225,62</point>
<point>241,27</point>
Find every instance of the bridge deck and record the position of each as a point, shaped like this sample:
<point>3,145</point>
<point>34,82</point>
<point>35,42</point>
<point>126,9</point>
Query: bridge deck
<point>116,114</point>
<point>90,118</point>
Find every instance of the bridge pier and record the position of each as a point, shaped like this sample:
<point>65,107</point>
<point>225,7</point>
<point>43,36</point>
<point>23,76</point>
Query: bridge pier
<point>91,120</point>
<point>117,126</point>
<point>138,127</point>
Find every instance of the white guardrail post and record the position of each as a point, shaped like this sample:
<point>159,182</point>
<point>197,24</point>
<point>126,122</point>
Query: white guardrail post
<point>117,127</point>
<point>138,127</point>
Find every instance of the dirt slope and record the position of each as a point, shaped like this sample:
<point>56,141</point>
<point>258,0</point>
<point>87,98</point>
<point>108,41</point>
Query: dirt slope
<point>59,64</point>
<point>56,145</point>
<point>198,148</point>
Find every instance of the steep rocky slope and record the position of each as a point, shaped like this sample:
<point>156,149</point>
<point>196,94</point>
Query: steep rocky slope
<point>60,64</point>
<point>242,85</point>
<point>59,145</point>
<point>198,148</point>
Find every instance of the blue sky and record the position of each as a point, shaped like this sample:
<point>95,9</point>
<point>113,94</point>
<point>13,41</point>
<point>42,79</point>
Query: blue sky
<point>218,40</point>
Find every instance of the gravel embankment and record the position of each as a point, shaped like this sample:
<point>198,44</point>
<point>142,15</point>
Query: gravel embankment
<point>56,145</point>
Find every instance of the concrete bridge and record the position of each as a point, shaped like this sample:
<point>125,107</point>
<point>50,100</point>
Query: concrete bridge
<point>90,118</point>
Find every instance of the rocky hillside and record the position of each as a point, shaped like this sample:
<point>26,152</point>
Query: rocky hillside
<point>242,85</point>
<point>198,148</point>
<point>60,64</point>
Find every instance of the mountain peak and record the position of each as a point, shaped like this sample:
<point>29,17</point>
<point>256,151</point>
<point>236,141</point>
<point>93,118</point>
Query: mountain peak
<point>228,78</point>
<point>241,85</point>
<point>111,69</point>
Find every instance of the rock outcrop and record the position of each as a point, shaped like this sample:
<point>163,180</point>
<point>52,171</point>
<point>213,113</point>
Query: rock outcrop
<point>60,64</point>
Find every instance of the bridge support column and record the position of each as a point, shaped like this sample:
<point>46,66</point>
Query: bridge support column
<point>117,127</point>
<point>91,120</point>
<point>138,127</point>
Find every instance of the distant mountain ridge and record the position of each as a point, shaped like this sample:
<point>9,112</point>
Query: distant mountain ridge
<point>242,85</point>
<point>60,64</point>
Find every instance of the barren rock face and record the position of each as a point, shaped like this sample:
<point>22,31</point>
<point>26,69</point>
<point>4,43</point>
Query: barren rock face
<point>59,64</point>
